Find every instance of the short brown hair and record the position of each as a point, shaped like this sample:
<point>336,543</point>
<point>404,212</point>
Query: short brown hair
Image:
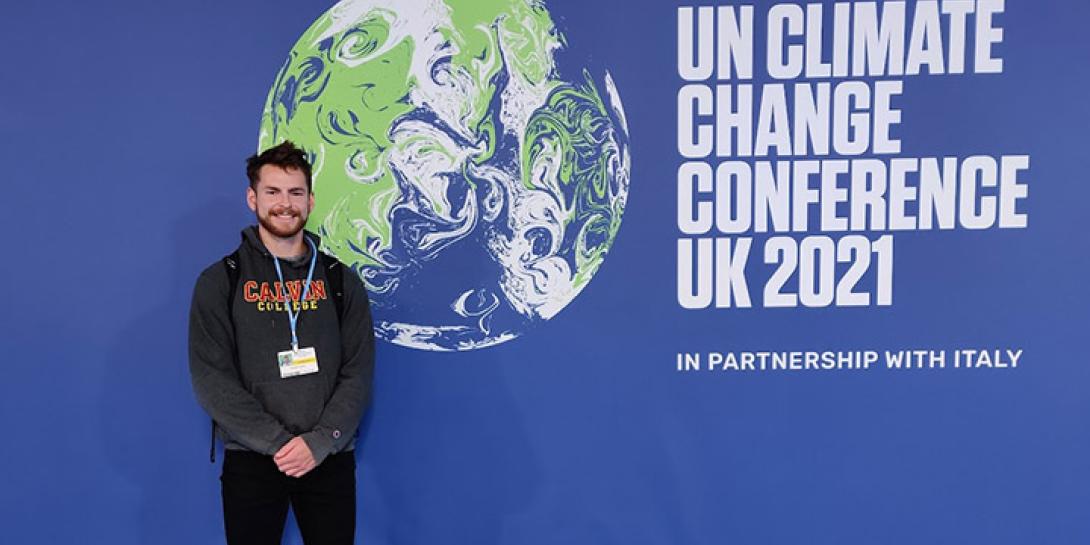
<point>284,155</point>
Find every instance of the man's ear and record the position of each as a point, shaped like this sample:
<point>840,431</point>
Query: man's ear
<point>251,199</point>
<point>310,206</point>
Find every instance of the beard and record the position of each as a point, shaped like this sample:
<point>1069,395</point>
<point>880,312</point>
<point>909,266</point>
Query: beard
<point>277,227</point>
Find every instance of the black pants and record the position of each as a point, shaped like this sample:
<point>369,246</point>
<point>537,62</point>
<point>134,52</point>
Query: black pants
<point>256,496</point>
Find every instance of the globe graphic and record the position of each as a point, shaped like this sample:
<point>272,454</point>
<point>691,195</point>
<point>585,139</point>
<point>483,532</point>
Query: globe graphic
<point>473,188</point>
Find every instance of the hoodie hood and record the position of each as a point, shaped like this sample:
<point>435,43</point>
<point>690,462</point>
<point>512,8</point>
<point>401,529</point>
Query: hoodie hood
<point>251,237</point>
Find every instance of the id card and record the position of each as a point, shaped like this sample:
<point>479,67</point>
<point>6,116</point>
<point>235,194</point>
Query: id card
<point>297,362</point>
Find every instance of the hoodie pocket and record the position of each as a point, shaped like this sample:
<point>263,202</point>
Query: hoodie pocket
<point>297,402</point>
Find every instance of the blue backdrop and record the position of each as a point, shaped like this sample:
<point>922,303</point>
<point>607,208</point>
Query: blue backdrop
<point>124,127</point>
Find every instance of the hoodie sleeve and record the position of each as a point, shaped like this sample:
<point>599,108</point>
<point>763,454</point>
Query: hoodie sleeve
<point>342,414</point>
<point>214,373</point>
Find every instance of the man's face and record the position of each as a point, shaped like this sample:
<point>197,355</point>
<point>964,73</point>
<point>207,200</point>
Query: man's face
<point>280,200</point>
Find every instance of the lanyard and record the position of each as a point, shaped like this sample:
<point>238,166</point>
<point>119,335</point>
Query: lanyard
<point>293,317</point>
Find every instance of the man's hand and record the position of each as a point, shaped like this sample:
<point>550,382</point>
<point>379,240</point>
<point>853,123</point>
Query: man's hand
<point>294,459</point>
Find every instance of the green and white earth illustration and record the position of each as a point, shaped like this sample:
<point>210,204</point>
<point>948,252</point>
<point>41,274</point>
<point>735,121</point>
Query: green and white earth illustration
<point>473,189</point>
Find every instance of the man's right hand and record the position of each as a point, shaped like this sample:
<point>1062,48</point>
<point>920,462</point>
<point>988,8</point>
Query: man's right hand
<point>294,459</point>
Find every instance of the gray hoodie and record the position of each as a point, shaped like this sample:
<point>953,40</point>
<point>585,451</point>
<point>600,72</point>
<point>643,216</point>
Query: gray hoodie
<point>254,409</point>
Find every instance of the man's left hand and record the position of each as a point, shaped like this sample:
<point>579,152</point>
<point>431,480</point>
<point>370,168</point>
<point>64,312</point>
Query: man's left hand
<point>294,459</point>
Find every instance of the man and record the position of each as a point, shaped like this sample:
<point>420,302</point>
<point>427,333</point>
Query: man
<point>282,359</point>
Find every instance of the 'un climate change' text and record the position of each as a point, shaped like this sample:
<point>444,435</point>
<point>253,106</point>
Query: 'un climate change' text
<point>812,168</point>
